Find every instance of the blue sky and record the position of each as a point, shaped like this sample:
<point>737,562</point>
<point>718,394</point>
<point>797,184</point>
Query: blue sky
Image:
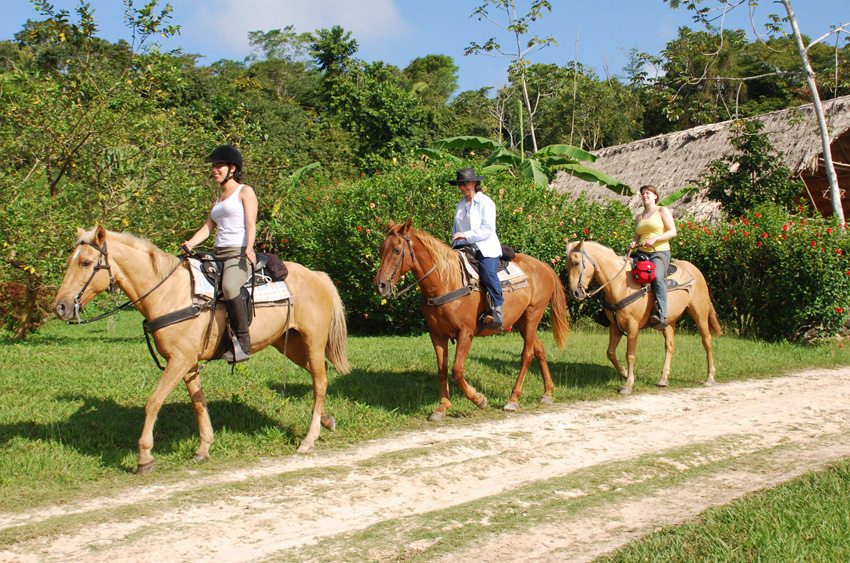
<point>397,31</point>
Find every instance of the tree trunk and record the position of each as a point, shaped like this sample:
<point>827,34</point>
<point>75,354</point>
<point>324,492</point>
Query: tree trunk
<point>834,192</point>
<point>28,314</point>
<point>530,113</point>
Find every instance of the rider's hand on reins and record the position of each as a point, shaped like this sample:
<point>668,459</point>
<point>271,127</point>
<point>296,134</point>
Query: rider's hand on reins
<point>184,248</point>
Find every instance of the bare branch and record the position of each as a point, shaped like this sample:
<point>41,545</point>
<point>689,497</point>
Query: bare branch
<point>839,29</point>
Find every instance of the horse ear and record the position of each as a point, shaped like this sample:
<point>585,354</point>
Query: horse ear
<point>390,225</point>
<point>80,233</point>
<point>99,235</point>
<point>407,225</point>
<point>570,247</point>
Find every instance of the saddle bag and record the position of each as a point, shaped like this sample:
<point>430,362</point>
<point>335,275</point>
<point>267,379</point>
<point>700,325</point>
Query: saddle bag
<point>643,271</point>
<point>276,268</point>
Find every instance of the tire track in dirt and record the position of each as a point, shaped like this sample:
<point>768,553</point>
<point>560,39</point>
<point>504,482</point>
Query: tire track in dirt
<point>280,508</point>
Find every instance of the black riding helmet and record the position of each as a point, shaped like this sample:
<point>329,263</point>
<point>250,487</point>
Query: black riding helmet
<point>231,156</point>
<point>227,154</point>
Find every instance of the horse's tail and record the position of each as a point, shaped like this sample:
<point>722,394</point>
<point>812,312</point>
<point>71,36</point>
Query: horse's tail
<point>713,321</point>
<point>560,315</point>
<point>335,350</point>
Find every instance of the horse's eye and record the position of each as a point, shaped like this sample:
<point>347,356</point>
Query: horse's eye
<point>87,263</point>
<point>396,251</point>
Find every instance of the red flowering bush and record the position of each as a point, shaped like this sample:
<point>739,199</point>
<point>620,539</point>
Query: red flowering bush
<point>788,283</point>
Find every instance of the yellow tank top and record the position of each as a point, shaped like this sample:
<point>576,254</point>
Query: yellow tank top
<point>648,228</point>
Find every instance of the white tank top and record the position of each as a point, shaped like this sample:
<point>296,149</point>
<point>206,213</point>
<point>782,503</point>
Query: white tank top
<point>229,218</point>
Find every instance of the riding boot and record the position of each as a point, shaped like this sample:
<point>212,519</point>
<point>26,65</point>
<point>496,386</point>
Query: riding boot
<point>237,314</point>
<point>496,323</point>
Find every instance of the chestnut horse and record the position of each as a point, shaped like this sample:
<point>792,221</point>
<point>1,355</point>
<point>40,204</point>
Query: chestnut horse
<point>158,283</point>
<point>590,260</point>
<point>437,270</point>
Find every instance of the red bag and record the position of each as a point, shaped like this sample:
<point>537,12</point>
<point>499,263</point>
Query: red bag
<point>643,271</point>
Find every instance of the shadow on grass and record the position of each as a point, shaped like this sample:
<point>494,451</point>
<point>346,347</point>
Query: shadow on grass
<point>564,374</point>
<point>107,430</point>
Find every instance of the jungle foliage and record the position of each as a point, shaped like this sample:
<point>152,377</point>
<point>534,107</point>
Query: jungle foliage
<point>116,134</point>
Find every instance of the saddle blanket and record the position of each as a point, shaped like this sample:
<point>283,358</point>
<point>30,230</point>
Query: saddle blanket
<point>511,275</point>
<point>266,293</point>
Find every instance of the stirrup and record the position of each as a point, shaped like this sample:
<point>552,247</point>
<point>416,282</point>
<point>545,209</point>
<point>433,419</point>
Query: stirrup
<point>237,354</point>
<point>657,323</point>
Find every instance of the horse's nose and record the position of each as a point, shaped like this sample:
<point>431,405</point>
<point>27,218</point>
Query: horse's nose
<point>383,288</point>
<point>578,294</point>
<point>63,309</point>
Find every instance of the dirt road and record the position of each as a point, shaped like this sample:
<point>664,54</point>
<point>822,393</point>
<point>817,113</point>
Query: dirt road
<point>569,483</point>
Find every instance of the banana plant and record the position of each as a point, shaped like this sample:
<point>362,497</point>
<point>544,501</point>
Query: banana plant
<point>540,167</point>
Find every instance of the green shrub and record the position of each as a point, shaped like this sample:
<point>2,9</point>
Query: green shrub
<point>755,174</point>
<point>772,274</point>
<point>339,228</point>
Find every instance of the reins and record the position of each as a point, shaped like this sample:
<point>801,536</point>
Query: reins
<point>104,257</point>
<point>592,261</point>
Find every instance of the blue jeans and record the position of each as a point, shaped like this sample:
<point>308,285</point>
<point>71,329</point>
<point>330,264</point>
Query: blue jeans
<point>659,284</point>
<point>489,280</point>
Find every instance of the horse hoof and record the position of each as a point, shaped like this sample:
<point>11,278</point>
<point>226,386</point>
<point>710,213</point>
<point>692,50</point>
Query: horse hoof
<point>661,383</point>
<point>482,404</point>
<point>511,407</point>
<point>626,391</point>
<point>144,468</point>
<point>329,422</point>
<point>437,416</point>
<point>546,400</point>
<point>200,458</point>
<point>708,383</point>
<point>304,448</point>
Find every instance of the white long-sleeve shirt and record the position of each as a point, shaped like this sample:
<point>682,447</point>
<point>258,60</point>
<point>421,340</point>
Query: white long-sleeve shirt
<point>476,221</point>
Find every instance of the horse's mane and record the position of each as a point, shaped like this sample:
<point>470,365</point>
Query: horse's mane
<point>446,259</point>
<point>601,247</point>
<point>161,261</point>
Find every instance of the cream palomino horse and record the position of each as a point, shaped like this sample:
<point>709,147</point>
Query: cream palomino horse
<point>589,261</point>
<point>313,329</point>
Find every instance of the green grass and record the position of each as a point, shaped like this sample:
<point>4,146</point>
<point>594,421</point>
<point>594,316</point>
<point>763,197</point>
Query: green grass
<point>807,519</point>
<point>72,398</point>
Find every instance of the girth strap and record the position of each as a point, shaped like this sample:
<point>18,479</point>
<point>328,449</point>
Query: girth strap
<point>627,300</point>
<point>451,296</point>
<point>174,317</point>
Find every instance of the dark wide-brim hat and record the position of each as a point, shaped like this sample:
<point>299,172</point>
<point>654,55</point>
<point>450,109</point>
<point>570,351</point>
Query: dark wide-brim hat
<point>465,175</point>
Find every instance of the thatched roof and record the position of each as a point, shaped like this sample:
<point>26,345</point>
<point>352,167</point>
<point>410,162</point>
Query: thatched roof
<point>674,160</point>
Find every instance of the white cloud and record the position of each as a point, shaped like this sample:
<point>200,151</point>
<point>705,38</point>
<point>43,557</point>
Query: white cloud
<point>223,25</point>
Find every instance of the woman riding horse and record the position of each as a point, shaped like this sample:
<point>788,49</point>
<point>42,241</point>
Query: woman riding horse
<point>653,230</point>
<point>475,225</point>
<point>234,216</point>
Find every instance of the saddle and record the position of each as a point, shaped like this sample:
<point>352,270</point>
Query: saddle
<point>468,252</point>
<point>267,269</point>
<point>268,285</point>
<point>674,279</point>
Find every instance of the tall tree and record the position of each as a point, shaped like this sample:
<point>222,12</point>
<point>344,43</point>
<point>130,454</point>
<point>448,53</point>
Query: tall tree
<point>518,27</point>
<point>706,16</point>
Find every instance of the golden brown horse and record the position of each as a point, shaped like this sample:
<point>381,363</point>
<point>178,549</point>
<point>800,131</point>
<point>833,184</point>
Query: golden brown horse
<point>590,260</point>
<point>437,270</point>
<point>314,327</point>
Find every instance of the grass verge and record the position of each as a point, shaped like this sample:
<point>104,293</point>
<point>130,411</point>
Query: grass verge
<point>72,398</point>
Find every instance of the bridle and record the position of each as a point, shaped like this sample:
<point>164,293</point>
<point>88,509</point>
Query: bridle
<point>583,288</point>
<point>103,264</point>
<point>400,261</point>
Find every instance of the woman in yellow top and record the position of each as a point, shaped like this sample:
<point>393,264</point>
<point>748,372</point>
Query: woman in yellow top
<point>653,228</point>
